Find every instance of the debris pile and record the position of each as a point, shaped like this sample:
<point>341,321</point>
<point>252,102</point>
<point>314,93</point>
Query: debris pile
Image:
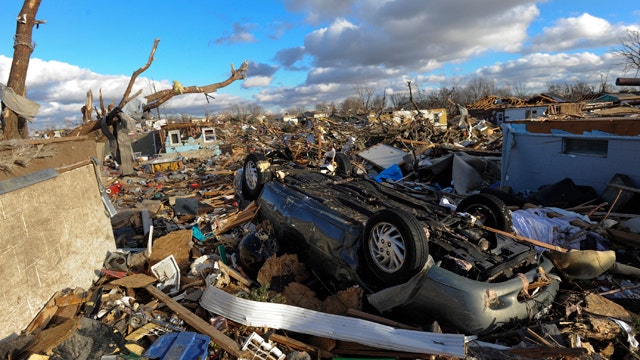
<point>180,285</point>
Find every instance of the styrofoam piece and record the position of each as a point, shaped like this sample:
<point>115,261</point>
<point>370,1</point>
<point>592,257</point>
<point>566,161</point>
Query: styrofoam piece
<point>168,273</point>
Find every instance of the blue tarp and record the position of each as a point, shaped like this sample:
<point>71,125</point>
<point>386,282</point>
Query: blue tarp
<point>393,172</point>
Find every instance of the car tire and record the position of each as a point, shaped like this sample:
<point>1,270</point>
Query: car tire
<point>343,164</point>
<point>395,246</point>
<point>490,210</point>
<point>255,174</point>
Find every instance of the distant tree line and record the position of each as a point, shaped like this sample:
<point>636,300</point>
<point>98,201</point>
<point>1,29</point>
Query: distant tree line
<point>366,99</point>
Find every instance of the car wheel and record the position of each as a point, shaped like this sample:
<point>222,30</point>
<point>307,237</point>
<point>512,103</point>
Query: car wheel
<point>343,164</point>
<point>489,210</point>
<point>256,173</point>
<point>395,246</point>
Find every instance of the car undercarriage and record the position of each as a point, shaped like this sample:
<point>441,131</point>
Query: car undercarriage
<point>356,231</point>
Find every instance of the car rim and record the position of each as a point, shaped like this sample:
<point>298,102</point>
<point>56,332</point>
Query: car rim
<point>387,247</point>
<point>251,174</point>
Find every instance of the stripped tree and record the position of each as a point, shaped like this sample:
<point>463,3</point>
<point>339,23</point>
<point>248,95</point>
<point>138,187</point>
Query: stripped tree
<point>113,121</point>
<point>15,125</point>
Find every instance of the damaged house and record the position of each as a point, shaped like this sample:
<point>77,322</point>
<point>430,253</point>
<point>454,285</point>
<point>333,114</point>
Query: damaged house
<point>499,110</point>
<point>178,138</point>
<point>590,152</point>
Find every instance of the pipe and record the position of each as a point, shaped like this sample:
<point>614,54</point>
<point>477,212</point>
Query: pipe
<point>628,81</point>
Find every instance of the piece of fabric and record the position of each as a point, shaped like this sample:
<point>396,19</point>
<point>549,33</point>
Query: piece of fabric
<point>18,104</point>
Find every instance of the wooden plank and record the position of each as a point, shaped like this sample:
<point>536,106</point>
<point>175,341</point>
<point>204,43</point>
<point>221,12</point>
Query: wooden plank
<point>299,345</point>
<point>44,316</point>
<point>54,336</point>
<point>71,299</point>
<point>623,187</point>
<point>217,336</point>
<point>135,281</point>
<point>235,274</point>
<point>526,239</point>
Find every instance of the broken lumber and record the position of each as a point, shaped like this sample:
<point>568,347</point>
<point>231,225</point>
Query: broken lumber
<point>525,239</point>
<point>217,336</point>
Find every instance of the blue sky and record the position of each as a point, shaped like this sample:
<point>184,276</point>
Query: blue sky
<point>305,52</point>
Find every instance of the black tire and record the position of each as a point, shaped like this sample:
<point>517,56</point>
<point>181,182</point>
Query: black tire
<point>395,246</point>
<point>490,210</point>
<point>255,174</point>
<point>343,164</point>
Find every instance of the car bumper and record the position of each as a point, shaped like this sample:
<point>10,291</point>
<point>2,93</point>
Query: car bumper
<point>474,307</point>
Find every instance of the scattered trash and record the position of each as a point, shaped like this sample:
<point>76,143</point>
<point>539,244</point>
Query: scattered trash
<point>218,216</point>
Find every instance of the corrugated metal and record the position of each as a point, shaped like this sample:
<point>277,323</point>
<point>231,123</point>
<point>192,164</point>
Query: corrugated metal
<point>304,321</point>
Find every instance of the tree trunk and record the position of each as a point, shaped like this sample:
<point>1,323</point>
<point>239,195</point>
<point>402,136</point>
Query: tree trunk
<point>14,125</point>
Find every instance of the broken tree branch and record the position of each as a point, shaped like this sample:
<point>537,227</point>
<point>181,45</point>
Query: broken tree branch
<point>135,74</point>
<point>158,98</point>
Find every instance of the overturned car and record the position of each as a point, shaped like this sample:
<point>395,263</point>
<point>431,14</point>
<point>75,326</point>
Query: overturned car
<point>417,261</point>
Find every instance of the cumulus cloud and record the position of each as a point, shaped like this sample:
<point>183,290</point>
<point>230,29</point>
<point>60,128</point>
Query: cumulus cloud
<point>418,35</point>
<point>289,57</point>
<point>261,69</point>
<point>302,96</point>
<point>577,32</point>
<point>256,81</point>
<point>317,11</point>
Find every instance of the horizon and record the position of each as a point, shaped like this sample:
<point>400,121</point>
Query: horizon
<point>302,53</point>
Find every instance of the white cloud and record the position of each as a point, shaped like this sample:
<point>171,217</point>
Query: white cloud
<point>541,69</point>
<point>577,32</point>
<point>256,81</point>
<point>420,35</point>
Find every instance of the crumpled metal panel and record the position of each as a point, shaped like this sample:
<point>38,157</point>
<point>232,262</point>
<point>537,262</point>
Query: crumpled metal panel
<point>304,321</point>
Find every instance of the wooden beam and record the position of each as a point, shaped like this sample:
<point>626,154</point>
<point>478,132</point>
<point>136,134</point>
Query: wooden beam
<point>525,239</point>
<point>217,336</point>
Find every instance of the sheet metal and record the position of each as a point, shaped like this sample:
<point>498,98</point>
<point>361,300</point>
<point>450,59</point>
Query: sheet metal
<point>304,321</point>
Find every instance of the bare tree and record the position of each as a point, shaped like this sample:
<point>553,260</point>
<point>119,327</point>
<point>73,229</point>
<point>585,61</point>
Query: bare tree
<point>572,92</point>
<point>604,83</point>
<point>477,88</point>
<point>365,95</point>
<point>241,112</point>
<point>15,126</point>
<point>438,98</point>
<point>116,123</point>
<point>629,48</point>
<point>519,89</point>
<point>399,100</point>
<point>350,106</point>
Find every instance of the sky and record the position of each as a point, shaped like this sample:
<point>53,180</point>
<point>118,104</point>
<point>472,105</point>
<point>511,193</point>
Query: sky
<point>305,52</point>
